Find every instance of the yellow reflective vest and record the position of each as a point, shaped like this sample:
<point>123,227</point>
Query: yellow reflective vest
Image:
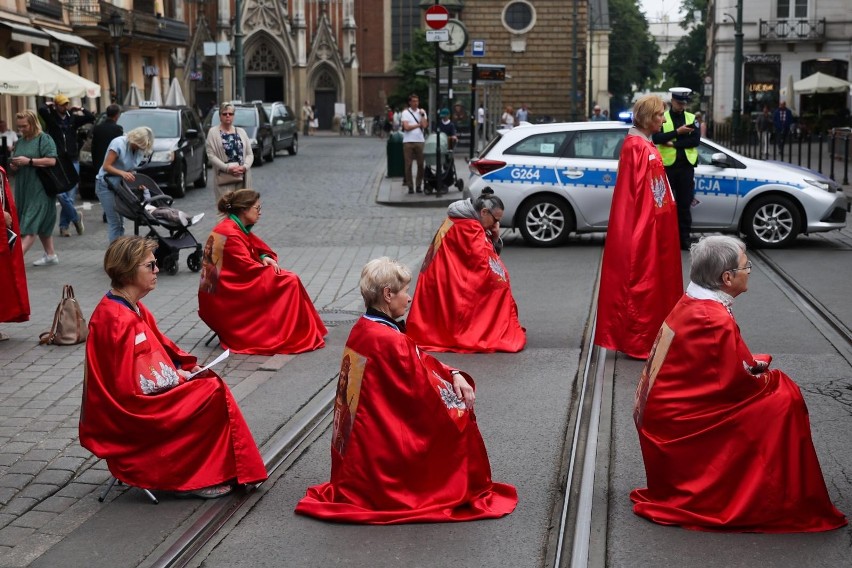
<point>669,153</point>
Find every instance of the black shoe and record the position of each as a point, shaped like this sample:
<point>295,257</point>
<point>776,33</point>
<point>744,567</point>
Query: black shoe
<point>419,190</point>
<point>410,189</point>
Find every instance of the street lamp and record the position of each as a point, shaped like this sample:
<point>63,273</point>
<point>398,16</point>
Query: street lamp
<point>738,69</point>
<point>116,30</point>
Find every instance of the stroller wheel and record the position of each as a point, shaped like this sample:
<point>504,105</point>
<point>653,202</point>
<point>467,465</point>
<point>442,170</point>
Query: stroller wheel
<point>193,261</point>
<point>170,265</point>
<point>460,184</point>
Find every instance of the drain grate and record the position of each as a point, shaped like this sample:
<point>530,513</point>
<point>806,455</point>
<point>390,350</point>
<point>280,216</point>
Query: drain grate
<point>333,318</point>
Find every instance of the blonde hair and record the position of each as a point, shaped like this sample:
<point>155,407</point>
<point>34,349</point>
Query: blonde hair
<point>645,109</point>
<point>143,137</point>
<point>32,119</point>
<point>123,257</point>
<point>380,273</point>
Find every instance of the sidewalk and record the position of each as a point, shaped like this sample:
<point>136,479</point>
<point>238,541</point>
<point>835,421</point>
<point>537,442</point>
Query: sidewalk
<point>392,192</point>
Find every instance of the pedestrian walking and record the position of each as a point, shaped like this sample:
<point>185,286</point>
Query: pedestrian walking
<point>522,114</point>
<point>15,306</point>
<point>37,209</point>
<point>61,122</point>
<point>104,133</point>
<point>678,145</point>
<point>764,131</point>
<point>782,120</point>
<point>596,114</point>
<point>414,123</point>
<point>307,118</point>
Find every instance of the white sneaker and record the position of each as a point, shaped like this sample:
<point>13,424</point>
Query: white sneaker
<point>197,218</point>
<point>47,259</point>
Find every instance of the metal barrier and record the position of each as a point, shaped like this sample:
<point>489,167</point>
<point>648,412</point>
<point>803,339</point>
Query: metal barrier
<point>825,152</point>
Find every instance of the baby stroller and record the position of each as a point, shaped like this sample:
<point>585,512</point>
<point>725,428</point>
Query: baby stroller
<point>448,165</point>
<point>130,203</point>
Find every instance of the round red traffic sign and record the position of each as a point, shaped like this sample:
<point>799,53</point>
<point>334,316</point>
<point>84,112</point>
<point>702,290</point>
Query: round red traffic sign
<point>437,17</point>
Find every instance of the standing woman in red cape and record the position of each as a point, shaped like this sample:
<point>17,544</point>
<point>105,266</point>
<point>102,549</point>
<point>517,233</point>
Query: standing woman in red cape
<point>155,425</point>
<point>463,302</point>
<point>15,305</point>
<point>252,304</point>
<point>405,446</point>
<point>641,277</point>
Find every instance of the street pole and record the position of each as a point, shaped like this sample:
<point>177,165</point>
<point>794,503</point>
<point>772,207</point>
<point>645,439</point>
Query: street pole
<point>738,70</point>
<point>438,187</point>
<point>238,49</point>
<point>575,57</point>
<point>117,73</point>
<point>473,112</point>
<point>591,93</point>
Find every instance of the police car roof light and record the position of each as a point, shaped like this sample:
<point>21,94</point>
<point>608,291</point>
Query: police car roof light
<point>626,116</point>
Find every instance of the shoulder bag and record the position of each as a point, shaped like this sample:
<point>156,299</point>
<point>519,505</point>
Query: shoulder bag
<point>69,326</point>
<point>58,178</point>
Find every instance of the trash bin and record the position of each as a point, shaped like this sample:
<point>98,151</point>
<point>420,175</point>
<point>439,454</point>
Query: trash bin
<point>396,161</point>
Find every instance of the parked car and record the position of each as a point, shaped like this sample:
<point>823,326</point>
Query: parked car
<point>555,179</point>
<point>252,118</point>
<point>285,127</point>
<point>178,156</point>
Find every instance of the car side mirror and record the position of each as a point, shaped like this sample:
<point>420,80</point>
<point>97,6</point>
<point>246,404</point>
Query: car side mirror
<point>191,133</point>
<point>720,160</point>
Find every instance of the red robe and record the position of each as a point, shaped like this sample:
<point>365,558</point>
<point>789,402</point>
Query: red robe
<point>154,429</point>
<point>404,447</point>
<point>725,447</point>
<point>463,302</point>
<point>641,277</point>
<point>250,307</point>
<point>15,302</point>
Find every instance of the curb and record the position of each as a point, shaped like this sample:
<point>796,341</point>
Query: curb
<point>390,191</point>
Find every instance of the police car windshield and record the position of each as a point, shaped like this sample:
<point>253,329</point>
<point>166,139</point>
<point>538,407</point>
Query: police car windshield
<point>243,116</point>
<point>164,124</point>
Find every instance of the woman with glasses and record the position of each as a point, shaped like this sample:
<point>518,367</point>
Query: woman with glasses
<point>229,152</point>
<point>252,304</point>
<point>156,425</point>
<point>726,441</point>
<point>463,302</point>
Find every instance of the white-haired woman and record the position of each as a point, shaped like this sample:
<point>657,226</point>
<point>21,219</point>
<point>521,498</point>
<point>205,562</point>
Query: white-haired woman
<point>123,156</point>
<point>405,445</point>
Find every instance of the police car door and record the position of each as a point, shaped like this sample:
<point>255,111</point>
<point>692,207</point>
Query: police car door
<point>587,172</point>
<point>716,189</point>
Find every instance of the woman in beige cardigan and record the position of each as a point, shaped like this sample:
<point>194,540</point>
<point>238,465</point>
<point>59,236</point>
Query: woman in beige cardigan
<point>229,151</point>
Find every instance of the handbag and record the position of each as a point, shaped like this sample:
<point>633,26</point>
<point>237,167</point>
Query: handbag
<point>226,178</point>
<point>58,178</point>
<point>69,326</point>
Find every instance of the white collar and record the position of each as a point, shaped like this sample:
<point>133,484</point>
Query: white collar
<point>701,293</point>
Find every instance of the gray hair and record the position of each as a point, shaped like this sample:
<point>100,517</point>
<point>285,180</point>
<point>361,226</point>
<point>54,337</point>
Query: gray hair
<point>380,273</point>
<point>713,255</point>
<point>226,106</point>
<point>143,137</point>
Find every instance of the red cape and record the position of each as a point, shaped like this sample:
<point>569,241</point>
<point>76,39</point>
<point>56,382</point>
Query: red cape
<point>178,438</point>
<point>15,303</point>
<point>463,302</point>
<point>252,309</point>
<point>641,278</point>
<point>404,448</point>
<point>724,449</point>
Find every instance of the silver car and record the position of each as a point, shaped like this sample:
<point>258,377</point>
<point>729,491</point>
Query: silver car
<point>555,179</point>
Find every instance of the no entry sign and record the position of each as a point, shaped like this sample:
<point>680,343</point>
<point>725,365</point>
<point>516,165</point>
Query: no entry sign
<point>437,17</point>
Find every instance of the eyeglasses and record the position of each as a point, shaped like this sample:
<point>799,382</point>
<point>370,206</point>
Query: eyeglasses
<point>493,216</point>
<point>258,207</point>
<point>226,113</point>
<point>151,265</point>
<point>746,267</point>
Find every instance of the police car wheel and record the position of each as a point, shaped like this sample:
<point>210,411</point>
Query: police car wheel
<point>772,221</point>
<point>545,221</point>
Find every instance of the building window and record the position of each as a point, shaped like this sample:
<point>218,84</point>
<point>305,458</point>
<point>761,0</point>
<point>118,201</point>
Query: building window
<point>791,9</point>
<point>405,18</point>
<point>519,16</point>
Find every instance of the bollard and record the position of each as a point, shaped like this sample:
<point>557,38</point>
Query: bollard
<point>831,157</point>
<point>395,158</point>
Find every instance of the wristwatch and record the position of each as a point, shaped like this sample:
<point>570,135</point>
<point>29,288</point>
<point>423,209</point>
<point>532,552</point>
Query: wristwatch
<point>31,161</point>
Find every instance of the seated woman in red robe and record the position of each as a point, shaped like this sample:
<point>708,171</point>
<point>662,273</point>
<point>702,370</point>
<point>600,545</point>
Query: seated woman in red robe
<point>155,425</point>
<point>405,446</point>
<point>15,303</point>
<point>463,301</point>
<point>726,441</point>
<point>245,297</point>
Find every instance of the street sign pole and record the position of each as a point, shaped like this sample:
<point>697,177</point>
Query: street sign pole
<point>436,18</point>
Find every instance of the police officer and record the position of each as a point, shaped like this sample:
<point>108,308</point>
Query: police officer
<point>678,142</point>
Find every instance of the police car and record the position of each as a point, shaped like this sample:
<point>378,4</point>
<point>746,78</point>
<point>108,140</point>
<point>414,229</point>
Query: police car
<point>555,179</point>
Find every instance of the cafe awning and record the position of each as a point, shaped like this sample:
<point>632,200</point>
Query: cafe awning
<point>25,33</point>
<point>67,83</point>
<point>68,38</point>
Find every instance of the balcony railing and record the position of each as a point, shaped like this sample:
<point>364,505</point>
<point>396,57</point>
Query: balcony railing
<point>52,8</point>
<point>95,14</point>
<point>792,30</point>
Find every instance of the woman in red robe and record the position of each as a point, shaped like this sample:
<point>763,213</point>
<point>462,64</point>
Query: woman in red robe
<point>726,442</point>
<point>155,425</point>
<point>252,304</point>
<point>641,277</point>
<point>463,302</point>
<point>405,447</point>
<point>15,304</point>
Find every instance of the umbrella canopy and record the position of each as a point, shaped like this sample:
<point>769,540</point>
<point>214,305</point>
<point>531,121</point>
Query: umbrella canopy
<point>17,80</point>
<point>133,96</point>
<point>175,95</point>
<point>65,81</point>
<point>156,91</point>
<point>820,83</point>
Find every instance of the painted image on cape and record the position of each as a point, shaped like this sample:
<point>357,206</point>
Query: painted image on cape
<point>442,383</point>
<point>346,400</point>
<point>436,243</point>
<point>212,262</point>
<point>649,373</point>
<point>498,268</point>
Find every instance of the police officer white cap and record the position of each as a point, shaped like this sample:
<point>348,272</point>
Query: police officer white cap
<point>681,94</point>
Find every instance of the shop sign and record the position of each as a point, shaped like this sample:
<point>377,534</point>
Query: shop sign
<point>68,56</point>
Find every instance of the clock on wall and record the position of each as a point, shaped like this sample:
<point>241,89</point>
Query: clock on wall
<point>458,37</point>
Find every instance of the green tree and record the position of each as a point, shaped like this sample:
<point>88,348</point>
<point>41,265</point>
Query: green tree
<point>633,60</point>
<point>421,56</point>
<point>684,66</point>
